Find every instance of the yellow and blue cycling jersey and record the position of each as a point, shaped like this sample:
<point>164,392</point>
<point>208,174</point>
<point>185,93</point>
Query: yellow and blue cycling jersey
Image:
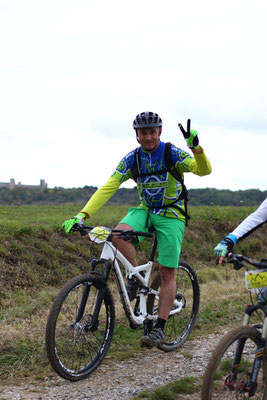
<point>156,190</point>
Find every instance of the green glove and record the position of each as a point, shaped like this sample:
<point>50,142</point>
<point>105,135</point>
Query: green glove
<point>190,136</point>
<point>68,224</point>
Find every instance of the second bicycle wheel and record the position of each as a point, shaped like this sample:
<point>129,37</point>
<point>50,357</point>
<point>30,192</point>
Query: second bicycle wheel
<point>78,338</point>
<point>180,324</point>
<point>224,381</point>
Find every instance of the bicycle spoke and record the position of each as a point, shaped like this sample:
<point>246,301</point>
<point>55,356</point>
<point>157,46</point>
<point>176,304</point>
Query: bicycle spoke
<point>185,308</point>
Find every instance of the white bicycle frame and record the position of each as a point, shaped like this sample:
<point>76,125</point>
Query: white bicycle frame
<point>110,253</point>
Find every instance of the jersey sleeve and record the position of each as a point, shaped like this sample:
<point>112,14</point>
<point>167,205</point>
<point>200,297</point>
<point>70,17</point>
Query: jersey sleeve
<point>199,164</point>
<point>101,196</point>
<point>123,171</point>
<point>252,222</point>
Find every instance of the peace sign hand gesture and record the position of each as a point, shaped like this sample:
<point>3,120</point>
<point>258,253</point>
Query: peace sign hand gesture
<point>190,136</point>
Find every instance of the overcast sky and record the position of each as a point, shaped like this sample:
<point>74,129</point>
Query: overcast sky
<point>73,75</point>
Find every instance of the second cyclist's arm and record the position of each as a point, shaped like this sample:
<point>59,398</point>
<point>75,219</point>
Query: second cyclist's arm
<point>252,222</point>
<point>101,196</point>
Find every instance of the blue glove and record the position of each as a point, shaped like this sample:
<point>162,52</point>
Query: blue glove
<point>68,224</point>
<point>225,246</point>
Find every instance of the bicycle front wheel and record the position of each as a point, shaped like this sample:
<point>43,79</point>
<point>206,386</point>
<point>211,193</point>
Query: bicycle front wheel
<point>80,327</point>
<point>225,381</point>
<point>179,324</point>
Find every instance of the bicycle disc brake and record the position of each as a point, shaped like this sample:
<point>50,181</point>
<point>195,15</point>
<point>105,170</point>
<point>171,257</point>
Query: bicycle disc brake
<point>242,386</point>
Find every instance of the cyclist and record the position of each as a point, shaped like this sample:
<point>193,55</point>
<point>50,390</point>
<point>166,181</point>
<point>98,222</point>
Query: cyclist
<point>247,226</point>
<point>162,205</point>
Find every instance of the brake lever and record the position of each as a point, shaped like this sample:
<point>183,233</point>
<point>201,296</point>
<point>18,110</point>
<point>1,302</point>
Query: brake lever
<point>234,259</point>
<point>75,227</point>
<point>79,228</point>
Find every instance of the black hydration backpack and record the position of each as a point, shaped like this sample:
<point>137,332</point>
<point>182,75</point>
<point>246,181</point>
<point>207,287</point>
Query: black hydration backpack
<point>170,167</point>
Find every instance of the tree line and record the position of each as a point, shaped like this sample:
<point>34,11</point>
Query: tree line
<point>197,197</point>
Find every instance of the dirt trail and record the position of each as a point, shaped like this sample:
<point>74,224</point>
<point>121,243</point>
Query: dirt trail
<point>124,379</point>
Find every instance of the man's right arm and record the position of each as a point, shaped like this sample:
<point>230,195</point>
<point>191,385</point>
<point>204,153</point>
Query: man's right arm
<point>121,174</point>
<point>101,196</point>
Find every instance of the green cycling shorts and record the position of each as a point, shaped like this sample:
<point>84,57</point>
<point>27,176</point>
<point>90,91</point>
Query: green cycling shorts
<point>169,233</point>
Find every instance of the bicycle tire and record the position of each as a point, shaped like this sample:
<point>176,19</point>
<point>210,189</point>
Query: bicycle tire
<point>178,326</point>
<point>217,381</point>
<point>76,349</point>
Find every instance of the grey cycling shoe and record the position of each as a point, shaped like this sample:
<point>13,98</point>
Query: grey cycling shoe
<point>155,337</point>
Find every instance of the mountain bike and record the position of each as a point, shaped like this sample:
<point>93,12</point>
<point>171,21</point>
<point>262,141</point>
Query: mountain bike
<point>237,368</point>
<point>81,321</point>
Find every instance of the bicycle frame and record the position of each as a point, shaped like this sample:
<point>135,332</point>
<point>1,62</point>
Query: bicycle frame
<point>110,256</point>
<point>82,320</point>
<point>260,350</point>
<point>250,309</point>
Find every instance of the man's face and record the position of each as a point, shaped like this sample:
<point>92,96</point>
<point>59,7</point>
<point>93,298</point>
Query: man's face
<point>148,138</point>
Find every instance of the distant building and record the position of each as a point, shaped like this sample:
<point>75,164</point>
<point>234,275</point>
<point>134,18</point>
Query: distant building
<point>12,185</point>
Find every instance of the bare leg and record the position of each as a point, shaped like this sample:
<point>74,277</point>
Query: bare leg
<point>166,298</point>
<point>167,291</point>
<point>126,248</point>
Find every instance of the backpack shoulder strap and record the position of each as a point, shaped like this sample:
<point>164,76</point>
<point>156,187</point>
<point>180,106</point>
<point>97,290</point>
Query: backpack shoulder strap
<point>136,165</point>
<point>169,163</point>
<point>176,174</point>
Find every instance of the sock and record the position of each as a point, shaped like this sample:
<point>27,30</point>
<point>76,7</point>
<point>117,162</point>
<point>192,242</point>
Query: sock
<point>160,323</point>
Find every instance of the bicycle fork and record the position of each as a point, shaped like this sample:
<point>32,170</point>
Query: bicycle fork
<point>100,296</point>
<point>251,386</point>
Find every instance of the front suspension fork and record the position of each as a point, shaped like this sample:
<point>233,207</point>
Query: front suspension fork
<point>100,295</point>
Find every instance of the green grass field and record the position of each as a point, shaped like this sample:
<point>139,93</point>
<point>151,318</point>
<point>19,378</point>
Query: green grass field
<point>37,258</point>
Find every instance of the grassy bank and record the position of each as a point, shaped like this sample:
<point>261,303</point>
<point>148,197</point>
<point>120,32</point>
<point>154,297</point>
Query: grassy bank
<point>37,258</point>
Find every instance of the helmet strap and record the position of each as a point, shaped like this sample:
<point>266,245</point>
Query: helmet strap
<point>137,138</point>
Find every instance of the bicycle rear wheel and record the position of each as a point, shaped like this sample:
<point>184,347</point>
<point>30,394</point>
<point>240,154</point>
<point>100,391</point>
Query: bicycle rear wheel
<point>222,381</point>
<point>76,341</point>
<point>179,324</point>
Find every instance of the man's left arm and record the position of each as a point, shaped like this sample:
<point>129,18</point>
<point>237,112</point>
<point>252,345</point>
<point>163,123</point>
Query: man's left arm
<point>200,165</point>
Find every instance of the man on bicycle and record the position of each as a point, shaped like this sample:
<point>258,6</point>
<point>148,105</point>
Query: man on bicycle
<point>162,205</point>
<point>247,226</point>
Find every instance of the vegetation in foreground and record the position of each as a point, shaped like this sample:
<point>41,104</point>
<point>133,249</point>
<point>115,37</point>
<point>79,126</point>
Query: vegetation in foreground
<point>37,258</point>
<point>176,390</point>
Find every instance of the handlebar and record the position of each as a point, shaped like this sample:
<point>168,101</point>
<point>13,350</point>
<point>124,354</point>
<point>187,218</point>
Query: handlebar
<point>238,259</point>
<point>131,233</point>
<point>123,234</point>
<point>81,228</point>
